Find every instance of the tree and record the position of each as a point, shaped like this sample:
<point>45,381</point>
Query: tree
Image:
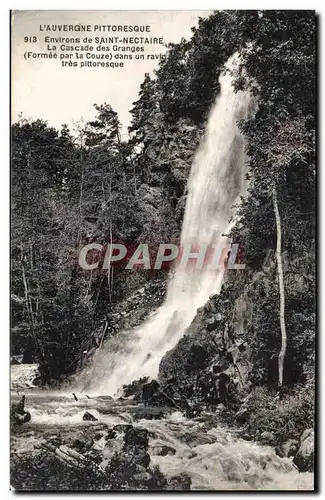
<point>281,134</point>
<point>281,286</point>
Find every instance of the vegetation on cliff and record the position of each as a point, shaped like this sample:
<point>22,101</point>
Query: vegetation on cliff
<point>68,191</point>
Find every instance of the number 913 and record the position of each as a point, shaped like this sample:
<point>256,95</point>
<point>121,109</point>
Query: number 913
<point>30,39</point>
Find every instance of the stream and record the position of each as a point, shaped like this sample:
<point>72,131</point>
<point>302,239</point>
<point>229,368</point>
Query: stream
<point>213,456</point>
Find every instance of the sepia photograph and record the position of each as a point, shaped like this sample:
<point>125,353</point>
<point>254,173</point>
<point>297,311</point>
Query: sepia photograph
<point>163,250</point>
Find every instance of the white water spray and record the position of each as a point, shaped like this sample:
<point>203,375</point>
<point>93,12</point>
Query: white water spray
<point>216,182</point>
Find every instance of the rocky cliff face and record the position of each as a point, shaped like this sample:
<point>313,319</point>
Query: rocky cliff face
<point>233,342</point>
<point>212,362</point>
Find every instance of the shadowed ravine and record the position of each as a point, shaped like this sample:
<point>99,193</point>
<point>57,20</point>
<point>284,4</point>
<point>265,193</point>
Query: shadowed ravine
<point>217,180</point>
<point>212,456</point>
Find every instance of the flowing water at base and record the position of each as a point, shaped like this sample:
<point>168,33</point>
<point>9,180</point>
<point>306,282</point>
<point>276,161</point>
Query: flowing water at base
<point>213,456</point>
<point>216,183</point>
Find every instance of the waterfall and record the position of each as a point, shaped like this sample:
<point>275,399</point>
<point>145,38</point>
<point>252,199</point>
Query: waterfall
<point>217,180</point>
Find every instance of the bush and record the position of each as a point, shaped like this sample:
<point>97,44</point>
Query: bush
<point>286,418</point>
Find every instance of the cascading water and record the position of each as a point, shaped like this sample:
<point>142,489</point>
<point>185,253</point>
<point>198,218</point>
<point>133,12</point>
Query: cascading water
<point>217,180</point>
<point>214,458</point>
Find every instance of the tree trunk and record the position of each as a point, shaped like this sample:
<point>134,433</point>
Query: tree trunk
<point>283,349</point>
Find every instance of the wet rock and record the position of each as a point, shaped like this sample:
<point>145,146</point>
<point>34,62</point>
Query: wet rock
<point>150,391</point>
<point>153,395</point>
<point>27,416</point>
<point>89,417</point>
<point>162,451</point>
<point>135,388</point>
<point>126,472</point>
<point>267,438</point>
<point>18,414</point>
<point>14,360</point>
<point>279,452</point>
<point>221,407</point>
<point>142,458</point>
<point>134,452</point>
<point>134,457</point>
<point>181,482</point>
<point>82,443</point>
<point>304,459</point>
<point>137,437</point>
<point>111,434</point>
<point>21,418</point>
<point>122,427</point>
<point>150,479</point>
<point>290,447</point>
<point>19,407</point>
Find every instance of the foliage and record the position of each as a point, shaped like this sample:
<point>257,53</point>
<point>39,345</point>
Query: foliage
<point>69,191</point>
<point>44,472</point>
<point>286,418</point>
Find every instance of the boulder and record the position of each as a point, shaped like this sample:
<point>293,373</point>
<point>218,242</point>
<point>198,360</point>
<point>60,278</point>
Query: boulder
<point>111,434</point>
<point>18,414</point>
<point>133,458</point>
<point>27,416</point>
<point>147,479</point>
<point>304,459</point>
<point>134,452</point>
<point>136,437</point>
<point>135,388</point>
<point>153,395</point>
<point>279,452</point>
<point>21,418</point>
<point>89,417</point>
<point>150,390</point>
<point>82,443</point>
<point>162,451</point>
<point>141,457</point>
<point>290,447</point>
<point>14,360</point>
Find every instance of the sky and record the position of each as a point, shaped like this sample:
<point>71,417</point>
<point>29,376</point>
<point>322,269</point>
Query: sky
<point>44,89</point>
